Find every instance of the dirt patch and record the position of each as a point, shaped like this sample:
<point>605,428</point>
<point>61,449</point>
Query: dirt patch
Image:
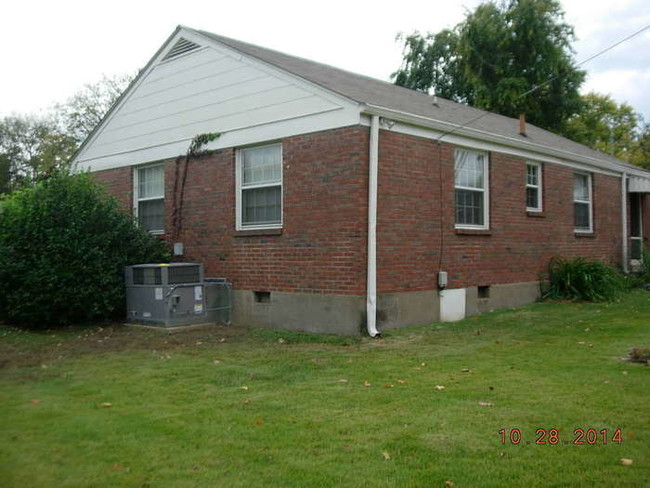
<point>20,348</point>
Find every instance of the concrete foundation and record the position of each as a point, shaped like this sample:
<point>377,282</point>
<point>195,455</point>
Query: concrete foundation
<point>306,312</point>
<point>486,299</point>
<point>346,314</point>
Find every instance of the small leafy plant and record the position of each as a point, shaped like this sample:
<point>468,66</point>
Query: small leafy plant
<point>579,279</point>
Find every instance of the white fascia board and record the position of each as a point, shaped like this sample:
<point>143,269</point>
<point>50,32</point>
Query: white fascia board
<point>434,129</point>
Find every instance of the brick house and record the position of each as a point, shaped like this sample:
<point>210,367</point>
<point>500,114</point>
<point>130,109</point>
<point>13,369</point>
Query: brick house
<point>339,203</point>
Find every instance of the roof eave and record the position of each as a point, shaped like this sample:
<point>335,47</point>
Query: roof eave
<point>448,128</point>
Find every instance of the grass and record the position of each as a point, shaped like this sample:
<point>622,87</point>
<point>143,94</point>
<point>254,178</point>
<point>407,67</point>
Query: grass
<point>238,408</point>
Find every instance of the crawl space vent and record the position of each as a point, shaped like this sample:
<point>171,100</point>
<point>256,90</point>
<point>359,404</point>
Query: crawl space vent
<point>182,46</point>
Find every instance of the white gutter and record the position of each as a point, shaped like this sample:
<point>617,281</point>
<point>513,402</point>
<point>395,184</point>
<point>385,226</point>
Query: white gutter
<point>371,280</point>
<point>624,219</point>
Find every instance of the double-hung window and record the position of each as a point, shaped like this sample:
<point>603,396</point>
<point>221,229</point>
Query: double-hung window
<point>582,203</point>
<point>259,187</point>
<point>471,185</point>
<point>149,197</point>
<point>533,187</point>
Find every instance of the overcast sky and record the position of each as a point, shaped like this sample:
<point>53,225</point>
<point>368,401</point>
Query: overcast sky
<point>50,48</point>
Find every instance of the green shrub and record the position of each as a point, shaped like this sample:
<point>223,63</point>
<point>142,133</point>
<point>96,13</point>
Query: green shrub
<point>63,247</point>
<point>579,279</point>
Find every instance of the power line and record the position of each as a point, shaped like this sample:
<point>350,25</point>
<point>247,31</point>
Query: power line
<point>537,87</point>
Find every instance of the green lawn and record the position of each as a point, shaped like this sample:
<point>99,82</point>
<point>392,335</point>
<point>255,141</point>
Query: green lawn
<point>230,407</point>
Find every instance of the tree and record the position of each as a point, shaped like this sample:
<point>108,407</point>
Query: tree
<point>606,126</point>
<point>31,149</point>
<point>81,113</point>
<point>63,246</point>
<point>495,57</point>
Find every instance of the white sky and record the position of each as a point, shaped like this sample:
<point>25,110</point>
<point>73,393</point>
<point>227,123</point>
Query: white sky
<point>50,48</point>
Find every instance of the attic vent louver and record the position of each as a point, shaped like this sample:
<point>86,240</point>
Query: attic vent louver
<point>182,46</point>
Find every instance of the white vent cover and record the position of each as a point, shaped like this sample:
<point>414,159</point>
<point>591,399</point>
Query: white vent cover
<point>182,46</point>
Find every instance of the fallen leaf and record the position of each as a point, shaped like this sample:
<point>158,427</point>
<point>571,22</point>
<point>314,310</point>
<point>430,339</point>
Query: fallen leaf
<point>587,329</point>
<point>624,373</point>
<point>216,361</point>
<point>466,370</point>
<point>343,380</point>
<point>36,401</point>
<point>626,462</point>
<point>105,405</point>
<point>449,484</point>
<point>484,404</point>
<point>606,382</point>
<point>365,383</point>
<point>259,423</point>
<point>281,341</point>
<point>198,343</point>
<point>388,385</point>
<point>117,467</point>
<point>439,387</point>
<point>245,388</point>
<point>223,339</point>
<point>386,455</point>
<point>582,343</point>
<point>401,382</point>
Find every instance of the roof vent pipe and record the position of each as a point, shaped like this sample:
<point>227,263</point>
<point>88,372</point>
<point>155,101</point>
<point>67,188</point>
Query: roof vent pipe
<point>522,124</point>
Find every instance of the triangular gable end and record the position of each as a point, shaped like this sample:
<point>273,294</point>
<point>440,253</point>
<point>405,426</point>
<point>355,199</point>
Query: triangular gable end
<point>195,85</point>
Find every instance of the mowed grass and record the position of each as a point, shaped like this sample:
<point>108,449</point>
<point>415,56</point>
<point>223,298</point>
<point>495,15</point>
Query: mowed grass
<point>238,408</point>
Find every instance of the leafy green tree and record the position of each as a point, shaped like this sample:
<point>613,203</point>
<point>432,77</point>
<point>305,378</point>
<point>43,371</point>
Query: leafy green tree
<point>31,149</point>
<point>605,125</point>
<point>497,55</point>
<point>63,246</point>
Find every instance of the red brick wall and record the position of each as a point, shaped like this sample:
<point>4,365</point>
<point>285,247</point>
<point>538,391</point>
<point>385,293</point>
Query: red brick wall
<point>322,248</point>
<point>517,247</point>
<point>118,183</point>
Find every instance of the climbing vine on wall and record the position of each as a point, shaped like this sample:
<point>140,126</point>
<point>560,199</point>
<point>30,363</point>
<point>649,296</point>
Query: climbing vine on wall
<point>196,150</point>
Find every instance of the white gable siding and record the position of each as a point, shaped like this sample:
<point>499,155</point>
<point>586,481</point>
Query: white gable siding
<point>212,89</point>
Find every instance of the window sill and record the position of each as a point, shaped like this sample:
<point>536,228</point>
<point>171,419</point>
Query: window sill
<point>589,235</point>
<point>473,232</point>
<point>535,214</point>
<point>258,232</point>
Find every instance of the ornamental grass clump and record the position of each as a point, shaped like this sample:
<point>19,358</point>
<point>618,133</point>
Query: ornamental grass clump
<point>579,279</point>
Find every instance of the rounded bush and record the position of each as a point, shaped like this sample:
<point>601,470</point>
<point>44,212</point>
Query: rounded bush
<point>63,248</point>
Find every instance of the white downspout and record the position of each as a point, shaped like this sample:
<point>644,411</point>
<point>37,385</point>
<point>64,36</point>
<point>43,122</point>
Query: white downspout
<point>624,218</point>
<point>371,281</point>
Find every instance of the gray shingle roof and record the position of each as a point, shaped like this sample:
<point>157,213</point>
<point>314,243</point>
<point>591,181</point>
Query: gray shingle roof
<point>367,90</point>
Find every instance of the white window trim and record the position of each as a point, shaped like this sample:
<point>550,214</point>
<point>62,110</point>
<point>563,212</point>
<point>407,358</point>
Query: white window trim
<point>485,190</point>
<point>538,187</point>
<point>590,203</point>
<point>137,199</point>
<point>239,190</point>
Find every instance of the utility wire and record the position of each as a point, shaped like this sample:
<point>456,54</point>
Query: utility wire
<point>537,87</point>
